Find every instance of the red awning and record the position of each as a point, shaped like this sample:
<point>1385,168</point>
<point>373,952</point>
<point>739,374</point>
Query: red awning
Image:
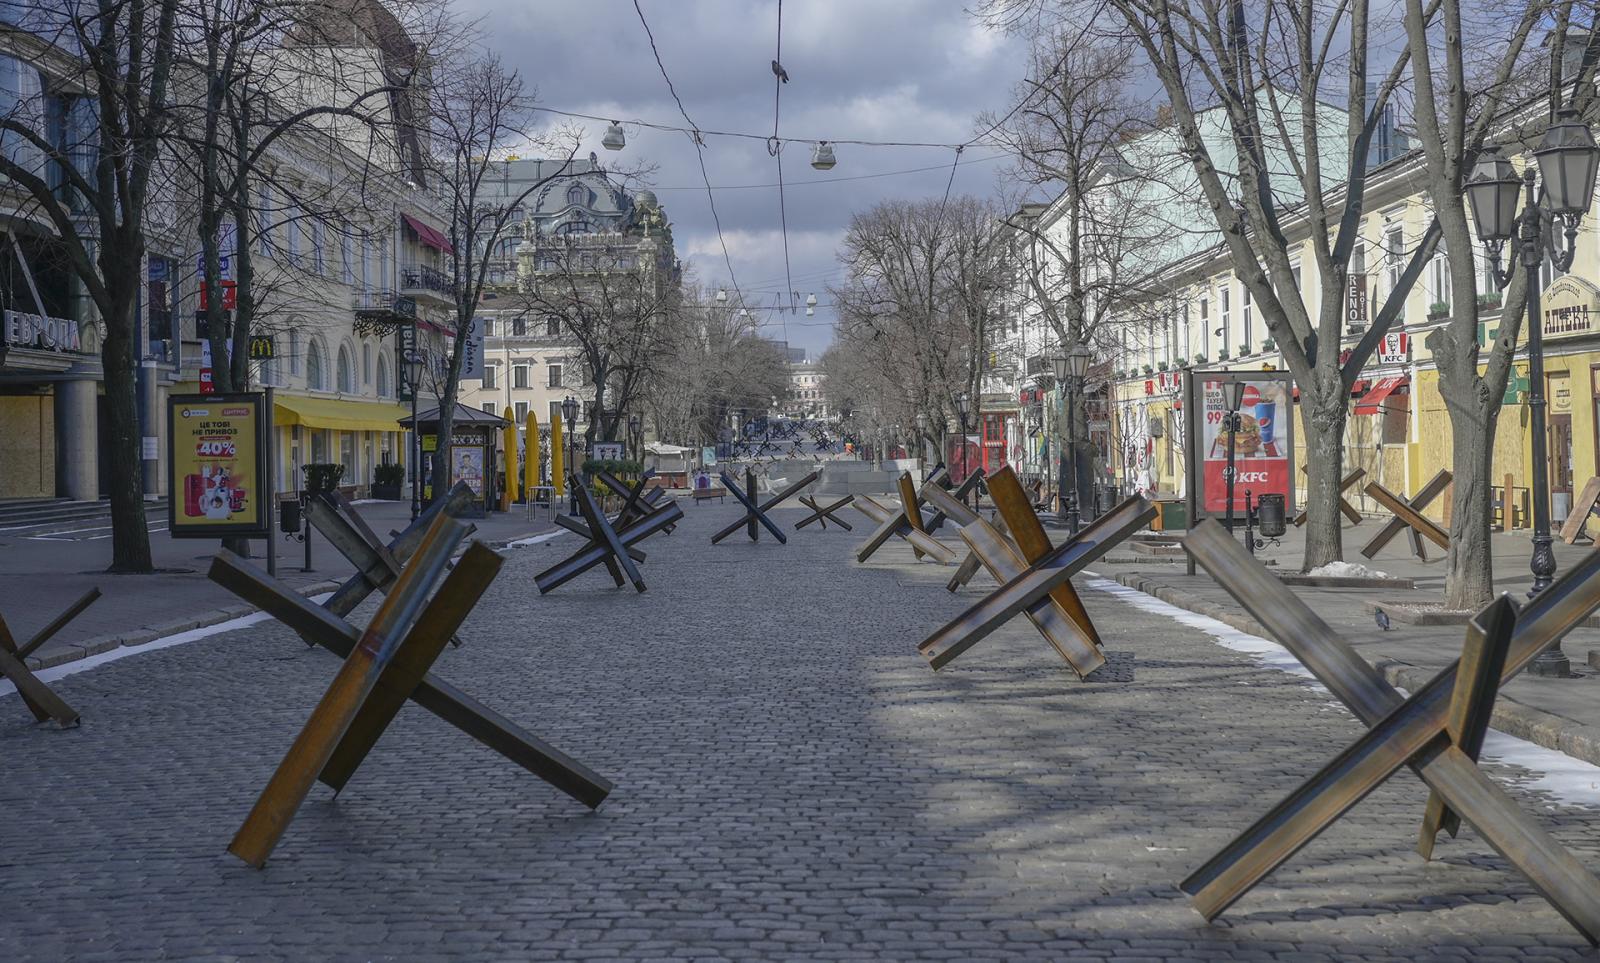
<point>429,236</point>
<point>1355,389</point>
<point>1372,403</point>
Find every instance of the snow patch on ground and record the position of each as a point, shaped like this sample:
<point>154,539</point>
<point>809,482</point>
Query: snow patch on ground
<point>1566,780</point>
<point>165,642</point>
<point>534,539</point>
<point>1346,570</point>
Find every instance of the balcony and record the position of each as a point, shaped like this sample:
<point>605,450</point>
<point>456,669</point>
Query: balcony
<point>425,280</point>
<point>379,311</point>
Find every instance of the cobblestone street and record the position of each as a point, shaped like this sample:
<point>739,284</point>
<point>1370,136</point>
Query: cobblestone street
<point>793,782</point>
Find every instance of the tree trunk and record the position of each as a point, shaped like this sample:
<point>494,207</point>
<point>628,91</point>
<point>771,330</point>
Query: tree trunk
<point>1324,421</point>
<point>130,536</point>
<point>1469,569</point>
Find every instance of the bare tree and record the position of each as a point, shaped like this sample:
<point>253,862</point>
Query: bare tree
<point>924,284</point>
<point>614,295</point>
<point>479,113</point>
<point>1461,92</point>
<point>1266,77</point>
<point>123,53</point>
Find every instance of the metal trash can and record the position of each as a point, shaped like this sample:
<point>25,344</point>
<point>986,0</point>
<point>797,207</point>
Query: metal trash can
<point>289,516</point>
<point>1271,515</point>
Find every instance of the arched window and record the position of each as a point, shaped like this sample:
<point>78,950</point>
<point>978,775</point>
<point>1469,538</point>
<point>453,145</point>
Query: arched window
<point>577,195</point>
<point>294,352</point>
<point>315,364</point>
<point>346,371</point>
<point>383,377</point>
<point>366,365</point>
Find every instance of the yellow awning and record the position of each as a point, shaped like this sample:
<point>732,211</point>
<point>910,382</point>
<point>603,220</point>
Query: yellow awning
<point>340,414</point>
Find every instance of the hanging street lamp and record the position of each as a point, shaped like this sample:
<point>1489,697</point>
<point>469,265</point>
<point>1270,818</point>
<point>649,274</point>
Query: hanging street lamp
<point>1567,159</point>
<point>614,138</point>
<point>822,156</point>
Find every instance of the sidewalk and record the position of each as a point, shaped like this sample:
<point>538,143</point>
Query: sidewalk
<point>43,574</point>
<point>1561,714</point>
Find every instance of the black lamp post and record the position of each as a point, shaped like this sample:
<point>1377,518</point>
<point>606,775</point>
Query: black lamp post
<point>569,411</point>
<point>1070,371</point>
<point>922,437</point>
<point>413,362</point>
<point>961,414</point>
<point>635,434</point>
<point>1567,160</point>
<point>1233,395</point>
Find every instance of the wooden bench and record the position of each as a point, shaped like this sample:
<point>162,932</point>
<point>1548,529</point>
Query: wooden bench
<point>702,494</point>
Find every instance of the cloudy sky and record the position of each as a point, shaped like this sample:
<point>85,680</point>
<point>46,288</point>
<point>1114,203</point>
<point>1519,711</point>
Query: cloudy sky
<point>883,70</point>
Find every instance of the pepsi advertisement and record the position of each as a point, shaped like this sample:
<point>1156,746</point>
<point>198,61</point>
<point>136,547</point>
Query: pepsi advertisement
<point>1261,447</point>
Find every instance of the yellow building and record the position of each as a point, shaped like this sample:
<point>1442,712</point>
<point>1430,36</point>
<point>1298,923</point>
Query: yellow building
<point>1202,319</point>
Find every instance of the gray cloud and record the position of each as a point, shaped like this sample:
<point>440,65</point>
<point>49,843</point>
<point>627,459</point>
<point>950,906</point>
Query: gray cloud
<point>902,70</point>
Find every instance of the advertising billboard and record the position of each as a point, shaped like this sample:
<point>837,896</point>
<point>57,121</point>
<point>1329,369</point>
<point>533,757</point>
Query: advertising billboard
<point>217,466</point>
<point>1263,449</point>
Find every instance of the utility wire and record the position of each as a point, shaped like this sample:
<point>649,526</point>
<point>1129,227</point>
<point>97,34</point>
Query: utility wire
<point>702,132</point>
<point>832,180</point>
<point>693,134</point>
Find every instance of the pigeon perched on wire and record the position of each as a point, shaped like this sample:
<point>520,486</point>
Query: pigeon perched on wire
<point>779,72</point>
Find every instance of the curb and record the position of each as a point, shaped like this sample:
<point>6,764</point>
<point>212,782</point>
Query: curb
<point>73,651</point>
<point>1510,716</point>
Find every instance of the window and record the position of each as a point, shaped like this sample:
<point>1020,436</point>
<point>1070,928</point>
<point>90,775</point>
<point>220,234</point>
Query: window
<point>491,373</point>
<point>519,327</point>
<point>319,258</point>
<point>1227,334</point>
<point>293,227</point>
<point>345,371</point>
<point>555,411</point>
<point>347,256</point>
<point>1205,325</point>
<point>22,100</point>
<point>488,327</point>
<point>488,407</point>
<point>555,376</point>
<point>1548,272</point>
<point>522,412</point>
<point>577,195</point>
<point>1358,259</point>
<point>294,352</point>
<point>383,377</point>
<point>366,365</point>
<point>383,263</point>
<point>519,376</point>
<point>366,264</point>
<point>1439,279</point>
<point>264,218</point>
<point>1246,309</point>
<point>552,326</point>
<point>314,365</point>
<point>1394,255</point>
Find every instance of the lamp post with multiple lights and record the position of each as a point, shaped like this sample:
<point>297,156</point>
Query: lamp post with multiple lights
<point>1567,159</point>
<point>1233,394</point>
<point>962,407</point>
<point>1070,370</point>
<point>569,411</point>
<point>413,362</point>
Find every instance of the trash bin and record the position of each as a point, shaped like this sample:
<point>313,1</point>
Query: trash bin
<point>1271,515</point>
<point>1171,515</point>
<point>289,516</point>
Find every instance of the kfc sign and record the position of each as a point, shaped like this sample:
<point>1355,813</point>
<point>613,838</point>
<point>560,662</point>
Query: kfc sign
<point>1164,383</point>
<point>1395,348</point>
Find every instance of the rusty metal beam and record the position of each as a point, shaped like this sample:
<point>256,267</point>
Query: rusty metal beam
<point>607,536</point>
<point>1005,563</point>
<point>40,699</point>
<point>1409,732</point>
<point>1348,509</point>
<point>358,674</point>
<point>433,694</point>
<point>1014,505</point>
<point>1394,526</point>
<point>1065,561</point>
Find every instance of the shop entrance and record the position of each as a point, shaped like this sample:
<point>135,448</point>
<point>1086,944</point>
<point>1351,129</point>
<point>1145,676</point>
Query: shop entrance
<point>1560,442</point>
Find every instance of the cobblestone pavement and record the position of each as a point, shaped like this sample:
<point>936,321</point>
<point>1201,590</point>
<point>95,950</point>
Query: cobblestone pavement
<point>792,783</point>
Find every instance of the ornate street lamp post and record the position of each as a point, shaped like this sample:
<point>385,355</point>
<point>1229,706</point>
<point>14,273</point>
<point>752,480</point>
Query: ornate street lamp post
<point>922,438</point>
<point>413,361</point>
<point>1070,371</point>
<point>1233,395</point>
<point>569,410</point>
<point>1567,160</point>
<point>961,415</point>
<point>636,435</point>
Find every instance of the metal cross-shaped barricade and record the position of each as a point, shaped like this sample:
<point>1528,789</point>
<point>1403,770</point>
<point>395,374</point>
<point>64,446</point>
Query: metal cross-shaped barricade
<point>377,565</point>
<point>907,523</point>
<point>959,493</point>
<point>1021,565</point>
<point>1349,510</point>
<point>1408,517</point>
<point>384,666</point>
<point>637,504</point>
<point>1437,731</point>
<point>1029,589</point>
<point>608,545</point>
<point>756,514</point>
<point>822,514</point>
<point>40,699</point>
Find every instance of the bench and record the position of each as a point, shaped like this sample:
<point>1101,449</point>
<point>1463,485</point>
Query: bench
<point>703,494</point>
